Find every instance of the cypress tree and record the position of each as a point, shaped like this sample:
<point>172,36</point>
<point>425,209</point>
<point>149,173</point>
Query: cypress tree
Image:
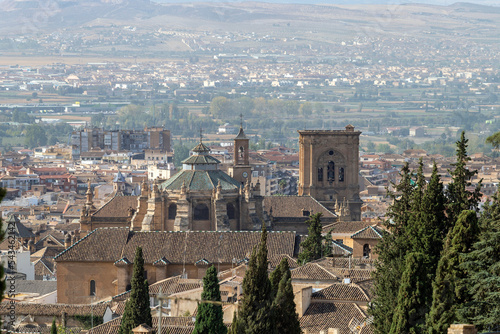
<point>53,328</point>
<point>286,317</point>
<point>209,319</point>
<point>409,316</point>
<point>482,265</point>
<point>391,252</point>
<point>137,310</point>
<point>459,198</point>
<point>255,315</point>
<point>312,246</point>
<point>449,287</point>
<point>277,275</point>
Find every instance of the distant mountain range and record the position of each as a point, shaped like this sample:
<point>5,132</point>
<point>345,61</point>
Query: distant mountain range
<point>25,17</point>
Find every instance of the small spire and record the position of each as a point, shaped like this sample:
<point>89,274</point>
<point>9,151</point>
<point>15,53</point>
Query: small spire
<point>201,135</point>
<point>241,120</point>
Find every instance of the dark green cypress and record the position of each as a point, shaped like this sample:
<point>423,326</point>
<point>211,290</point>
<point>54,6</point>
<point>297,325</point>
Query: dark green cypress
<point>277,275</point>
<point>391,252</point>
<point>209,319</point>
<point>312,246</point>
<point>459,198</point>
<point>409,316</point>
<point>53,328</point>
<point>137,310</point>
<point>286,317</point>
<point>482,266</point>
<point>449,287</point>
<point>255,315</point>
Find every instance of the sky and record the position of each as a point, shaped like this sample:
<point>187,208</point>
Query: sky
<point>347,2</point>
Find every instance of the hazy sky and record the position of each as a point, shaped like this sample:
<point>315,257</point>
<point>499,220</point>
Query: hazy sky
<point>346,2</point>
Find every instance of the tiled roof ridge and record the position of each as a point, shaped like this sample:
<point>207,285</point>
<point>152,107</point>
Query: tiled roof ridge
<point>85,237</point>
<point>341,245</point>
<point>40,260</point>
<point>202,231</point>
<point>325,270</point>
<point>112,198</point>
<point>324,207</point>
<point>359,309</point>
<point>49,235</point>
<point>362,290</point>
<point>368,227</point>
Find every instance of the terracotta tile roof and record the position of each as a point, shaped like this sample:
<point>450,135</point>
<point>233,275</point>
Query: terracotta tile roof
<point>275,260</point>
<point>117,207</point>
<point>293,206</point>
<point>170,325</point>
<point>369,232</point>
<point>54,309</point>
<point>174,285</point>
<point>321,316</point>
<point>110,327</point>
<point>342,262</point>
<point>112,244</point>
<point>97,246</point>
<point>312,271</point>
<point>346,227</point>
<point>43,267</point>
<point>356,275</point>
<point>341,291</point>
<point>340,249</point>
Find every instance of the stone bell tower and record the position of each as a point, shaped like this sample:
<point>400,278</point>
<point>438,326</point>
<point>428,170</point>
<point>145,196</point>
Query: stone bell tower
<point>329,168</point>
<point>241,169</point>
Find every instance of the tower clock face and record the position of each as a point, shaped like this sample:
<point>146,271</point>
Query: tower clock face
<point>245,174</point>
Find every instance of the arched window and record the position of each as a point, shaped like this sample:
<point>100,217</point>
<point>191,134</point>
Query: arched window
<point>92,288</point>
<point>242,152</point>
<point>366,251</point>
<point>172,211</point>
<point>201,212</point>
<point>320,174</point>
<point>230,211</point>
<point>331,171</point>
<point>341,174</point>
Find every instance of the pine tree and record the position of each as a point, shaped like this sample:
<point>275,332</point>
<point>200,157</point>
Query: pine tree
<point>483,267</point>
<point>409,316</point>
<point>286,317</point>
<point>312,246</point>
<point>391,252</point>
<point>277,275</point>
<point>53,328</point>
<point>449,287</point>
<point>256,315</point>
<point>209,319</point>
<point>459,198</point>
<point>137,310</point>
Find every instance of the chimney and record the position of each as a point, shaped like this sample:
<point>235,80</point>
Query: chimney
<point>303,300</point>
<point>67,241</point>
